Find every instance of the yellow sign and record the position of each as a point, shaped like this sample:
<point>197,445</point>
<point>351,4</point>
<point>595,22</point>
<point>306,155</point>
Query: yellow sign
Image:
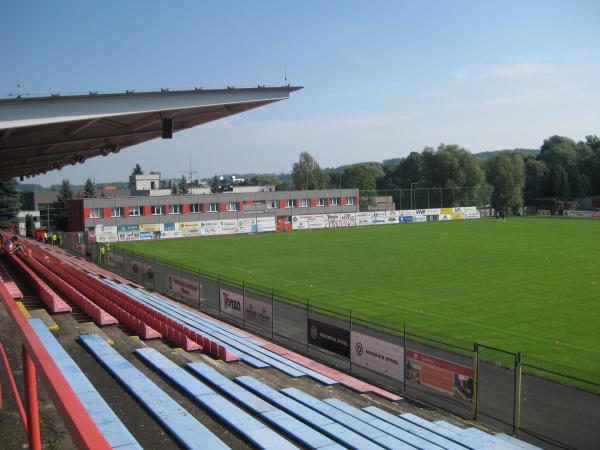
<point>458,216</point>
<point>446,211</point>
<point>150,227</point>
<point>189,226</point>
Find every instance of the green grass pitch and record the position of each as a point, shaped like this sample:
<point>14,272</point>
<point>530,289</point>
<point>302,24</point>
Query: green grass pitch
<point>529,285</point>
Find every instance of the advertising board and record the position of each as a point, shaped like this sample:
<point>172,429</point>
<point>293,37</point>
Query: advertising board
<point>228,226</point>
<point>299,223</point>
<point>445,216</point>
<point>146,235</point>
<point>329,337</point>
<point>247,225</point>
<point>188,289</point>
<point>458,216</point>
<point>258,312</point>
<point>433,212</point>
<point>444,376</point>
<point>364,218</point>
<point>341,220</point>
<point>169,234</point>
<point>170,226</point>
<point>596,214</point>
<point>446,211</point>
<point>151,227</point>
<point>578,214</point>
<point>190,228</point>
<point>128,229</point>
<point>470,209</point>
<point>377,355</point>
<point>141,270</point>
<point>232,303</point>
<point>114,260</point>
<point>210,227</point>
<point>475,215</point>
<point>265,224</point>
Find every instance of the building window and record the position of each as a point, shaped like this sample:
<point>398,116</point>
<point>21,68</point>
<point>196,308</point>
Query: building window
<point>335,201</point>
<point>213,207</point>
<point>233,206</point>
<point>116,212</point>
<point>271,204</point>
<point>158,210</point>
<point>321,201</point>
<point>174,209</point>
<point>350,201</point>
<point>303,203</point>
<point>95,213</point>
<point>195,208</point>
<point>134,211</point>
<point>290,203</point>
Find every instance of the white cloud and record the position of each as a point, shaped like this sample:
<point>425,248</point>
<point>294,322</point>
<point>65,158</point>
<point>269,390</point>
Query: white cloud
<point>518,70</point>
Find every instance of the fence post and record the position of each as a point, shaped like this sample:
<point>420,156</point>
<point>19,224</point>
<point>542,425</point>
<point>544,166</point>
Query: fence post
<point>475,378</point>
<point>405,363</point>
<point>272,314</point>
<point>517,406</point>
<point>219,294</point>
<point>33,417</point>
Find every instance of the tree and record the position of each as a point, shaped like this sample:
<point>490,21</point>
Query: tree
<point>89,189</point>
<point>506,174</point>
<point>182,187</point>
<point>61,205</point>
<point>535,174</point>
<point>137,170</point>
<point>9,200</point>
<point>307,174</point>
<point>29,225</point>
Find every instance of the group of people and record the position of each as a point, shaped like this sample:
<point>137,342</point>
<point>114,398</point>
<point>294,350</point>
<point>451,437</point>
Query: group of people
<point>104,249</point>
<point>52,239</point>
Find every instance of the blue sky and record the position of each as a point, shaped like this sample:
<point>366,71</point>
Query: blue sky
<point>381,78</point>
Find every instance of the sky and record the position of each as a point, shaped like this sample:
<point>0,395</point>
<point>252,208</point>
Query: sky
<point>381,78</point>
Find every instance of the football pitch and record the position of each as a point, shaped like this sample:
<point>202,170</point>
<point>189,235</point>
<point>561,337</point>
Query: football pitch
<point>528,285</point>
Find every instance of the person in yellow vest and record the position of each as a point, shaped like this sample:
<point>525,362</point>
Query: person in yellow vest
<point>54,239</point>
<point>45,237</point>
<point>108,246</point>
<point>102,253</point>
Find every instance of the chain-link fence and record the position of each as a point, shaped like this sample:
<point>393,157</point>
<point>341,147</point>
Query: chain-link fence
<point>474,381</point>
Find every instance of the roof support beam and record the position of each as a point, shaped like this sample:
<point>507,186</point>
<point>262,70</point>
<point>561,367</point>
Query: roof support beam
<point>76,128</point>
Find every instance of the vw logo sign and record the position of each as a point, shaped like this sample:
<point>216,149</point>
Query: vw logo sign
<point>358,348</point>
<point>313,332</point>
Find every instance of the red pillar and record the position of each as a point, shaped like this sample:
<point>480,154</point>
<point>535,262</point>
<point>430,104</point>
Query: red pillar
<point>33,415</point>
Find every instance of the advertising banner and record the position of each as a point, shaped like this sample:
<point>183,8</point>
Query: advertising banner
<point>408,212</point>
<point>170,226</point>
<point>458,216</point>
<point>146,235</point>
<point>141,270</point>
<point>128,237</point>
<point>258,312</point>
<point>169,234</point>
<point>458,210</point>
<point>377,355</point>
<point>114,260</point>
<point>299,223</point>
<point>444,376</point>
<point>596,214</point>
<point>188,289</point>
<point>364,218</point>
<point>316,221</point>
<point>210,227</point>
<point>470,209</point>
<point>265,224</point>
<point>151,227</point>
<point>228,226</point>
<point>444,216</point>
<point>232,303</point>
<point>106,233</point>
<point>475,215</point>
<point>247,225</point>
<point>329,337</point>
<point>420,212</point>
<point>433,212</point>
<point>341,220</point>
<point>578,214</point>
<point>190,228</point>
<point>379,218</point>
<point>407,219</point>
<point>420,219</point>
<point>127,229</point>
<point>446,211</point>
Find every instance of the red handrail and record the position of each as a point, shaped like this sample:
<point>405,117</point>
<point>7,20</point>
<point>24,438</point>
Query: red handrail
<point>81,427</point>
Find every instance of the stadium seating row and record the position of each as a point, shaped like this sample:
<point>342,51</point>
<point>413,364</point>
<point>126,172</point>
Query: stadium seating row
<point>7,280</point>
<point>240,344</point>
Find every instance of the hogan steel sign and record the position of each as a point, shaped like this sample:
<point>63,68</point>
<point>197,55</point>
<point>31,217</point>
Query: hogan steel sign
<point>189,289</point>
<point>377,355</point>
<point>329,337</point>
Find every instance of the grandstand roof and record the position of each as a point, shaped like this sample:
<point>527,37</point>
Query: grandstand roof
<point>38,134</point>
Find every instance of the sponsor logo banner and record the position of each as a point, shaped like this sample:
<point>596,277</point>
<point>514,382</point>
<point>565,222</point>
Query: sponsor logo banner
<point>146,235</point>
<point>258,312</point>
<point>168,234</point>
<point>458,210</point>
<point>170,226</point>
<point>247,225</point>
<point>127,229</point>
<point>190,226</point>
<point>141,270</point>
<point>421,212</point>
<point>189,289</point>
<point>265,224</point>
<point>446,211</point>
<point>444,376</point>
<point>329,337</point>
<point>420,219</point>
<point>444,216</point>
<point>150,227</point>
<point>407,219</point>
<point>578,214</point>
<point>378,355</point>
<point>475,215</point>
<point>341,220</point>
<point>408,212</point>
<point>433,212</point>
<point>210,227</point>
<point>458,216</point>
<point>470,209</point>
<point>596,214</point>
<point>232,303</point>
<point>128,236</point>
<point>114,260</point>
